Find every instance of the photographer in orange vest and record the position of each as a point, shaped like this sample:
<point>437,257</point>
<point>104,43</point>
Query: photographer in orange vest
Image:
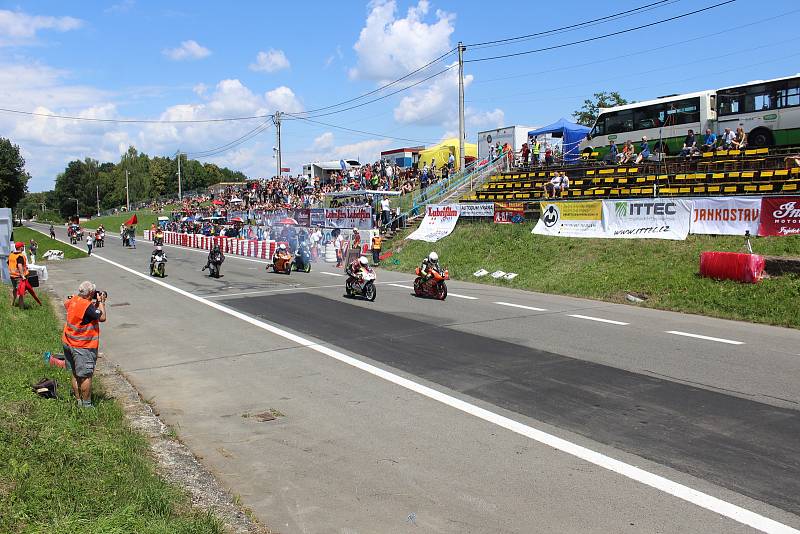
<point>17,269</point>
<point>81,338</point>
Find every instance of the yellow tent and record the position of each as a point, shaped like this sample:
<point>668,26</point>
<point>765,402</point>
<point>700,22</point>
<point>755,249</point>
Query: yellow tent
<point>442,151</point>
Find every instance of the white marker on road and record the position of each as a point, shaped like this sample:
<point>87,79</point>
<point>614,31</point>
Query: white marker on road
<point>330,274</point>
<point>461,296</point>
<point>707,338</point>
<point>598,319</point>
<point>532,308</point>
<point>401,285</point>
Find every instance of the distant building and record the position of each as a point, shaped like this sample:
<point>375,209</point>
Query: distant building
<point>322,170</point>
<point>405,158</point>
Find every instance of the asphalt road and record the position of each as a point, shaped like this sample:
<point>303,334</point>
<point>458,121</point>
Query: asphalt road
<point>367,438</point>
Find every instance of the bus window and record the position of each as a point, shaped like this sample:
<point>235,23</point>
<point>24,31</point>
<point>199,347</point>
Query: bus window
<point>599,126</point>
<point>683,111</point>
<point>790,96</point>
<point>619,122</point>
<point>759,98</point>
<point>729,103</point>
<point>648,117</point>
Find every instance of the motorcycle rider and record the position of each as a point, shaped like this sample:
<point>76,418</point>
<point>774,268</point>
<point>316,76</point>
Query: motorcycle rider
<point>157,256</point>
<point>281,252</point>
<point>159,236</point>
<point>356,267</point>
<point>428,265</point>
<point>215,256</point>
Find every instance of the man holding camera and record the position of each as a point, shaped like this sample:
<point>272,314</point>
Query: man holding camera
<point>81,338</point>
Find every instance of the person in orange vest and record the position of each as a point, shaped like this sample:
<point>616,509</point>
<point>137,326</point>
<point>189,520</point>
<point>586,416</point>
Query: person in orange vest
<point>377,242</point>
<point>17,269</point>
<point>81,338</point>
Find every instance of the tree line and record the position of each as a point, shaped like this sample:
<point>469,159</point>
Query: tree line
<point>148,178</point>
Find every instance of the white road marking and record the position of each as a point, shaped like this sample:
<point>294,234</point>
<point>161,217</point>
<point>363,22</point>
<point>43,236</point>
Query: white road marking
<point>708,338</point>
<point>461,296</point>
<point>295,288</point>
<point>681,491</point>
<point>598,319</point>
<point>532,308</point>
<point>330,274</point>
<point>401,285</point>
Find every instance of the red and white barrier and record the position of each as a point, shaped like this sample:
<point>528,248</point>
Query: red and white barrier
<point>250,248</point>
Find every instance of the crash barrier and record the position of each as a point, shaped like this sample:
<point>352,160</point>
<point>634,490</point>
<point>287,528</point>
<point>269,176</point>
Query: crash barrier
<point>251,248</point>
<point>748,268</point>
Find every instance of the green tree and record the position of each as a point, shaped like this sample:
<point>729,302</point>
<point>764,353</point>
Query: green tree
<point>587,115</point>
<point>13,177</point>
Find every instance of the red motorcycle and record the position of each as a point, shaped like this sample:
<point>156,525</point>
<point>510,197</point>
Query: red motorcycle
<point>434,286</point>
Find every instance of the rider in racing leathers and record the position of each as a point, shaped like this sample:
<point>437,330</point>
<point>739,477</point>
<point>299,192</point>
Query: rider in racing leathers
<point>428,265</point>
<point>355,267</point>
<point>157,256</point>
<point>215,256</point>
<point>281,251</point>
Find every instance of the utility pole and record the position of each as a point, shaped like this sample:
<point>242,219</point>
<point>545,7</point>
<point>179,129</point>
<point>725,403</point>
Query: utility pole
<point>127,192</point>
<point>461,134</point>
<point>98,200</point>
<point>278,130</point>
<point>180,193</point>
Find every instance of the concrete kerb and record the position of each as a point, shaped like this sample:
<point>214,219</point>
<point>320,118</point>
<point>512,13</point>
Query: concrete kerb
<point>175,461</point>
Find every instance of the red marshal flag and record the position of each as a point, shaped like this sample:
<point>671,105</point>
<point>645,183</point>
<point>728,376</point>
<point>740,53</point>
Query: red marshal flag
<point>133,220</point>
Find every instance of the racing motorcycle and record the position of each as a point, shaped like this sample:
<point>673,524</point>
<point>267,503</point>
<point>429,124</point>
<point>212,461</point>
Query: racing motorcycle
<point>434,287</point>
<point>282,263</point>
<point>302,258</point>
<point>158,266</point>
<point>213,269</point>
<point>362,285</point>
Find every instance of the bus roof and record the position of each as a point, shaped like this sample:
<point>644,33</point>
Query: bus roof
<point>758,82</point>
<point>656,101</point>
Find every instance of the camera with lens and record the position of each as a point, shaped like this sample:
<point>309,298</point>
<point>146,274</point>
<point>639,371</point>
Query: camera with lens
<point>100,294</point>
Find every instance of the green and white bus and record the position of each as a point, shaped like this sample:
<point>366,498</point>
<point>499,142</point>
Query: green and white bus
<point>769,112</point>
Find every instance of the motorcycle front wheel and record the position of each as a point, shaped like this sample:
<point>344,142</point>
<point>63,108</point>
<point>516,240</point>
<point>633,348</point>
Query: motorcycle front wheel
<point>370,292</point>
<point>418,286</point>
<point>308,267</point>
<point>161,271</point>
<point>441,291</point>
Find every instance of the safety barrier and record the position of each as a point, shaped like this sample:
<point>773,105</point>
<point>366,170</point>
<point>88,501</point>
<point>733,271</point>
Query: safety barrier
<point>251,248</point>
<point>748,268</point>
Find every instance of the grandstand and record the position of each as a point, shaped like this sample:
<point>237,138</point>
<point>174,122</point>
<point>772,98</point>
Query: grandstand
<point>758,171</point>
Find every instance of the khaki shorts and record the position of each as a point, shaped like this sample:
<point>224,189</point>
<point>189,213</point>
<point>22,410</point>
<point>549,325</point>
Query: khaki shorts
<point>81,360</point>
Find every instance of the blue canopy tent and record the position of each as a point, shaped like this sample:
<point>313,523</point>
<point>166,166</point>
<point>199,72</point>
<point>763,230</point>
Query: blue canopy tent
<point>571,135</point>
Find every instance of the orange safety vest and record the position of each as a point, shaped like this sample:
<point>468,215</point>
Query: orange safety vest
<point>75,334</point>
<point>376,242</point>
<point>12,265</point>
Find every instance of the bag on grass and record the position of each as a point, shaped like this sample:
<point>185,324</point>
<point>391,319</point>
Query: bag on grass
<point>46,388</point>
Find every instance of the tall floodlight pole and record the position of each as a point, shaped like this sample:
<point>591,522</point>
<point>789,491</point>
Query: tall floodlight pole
<point>180,193</point>
<point>98,200</point>
<point>461,134</point>
<point>278,131</point>
<point>127,192</point>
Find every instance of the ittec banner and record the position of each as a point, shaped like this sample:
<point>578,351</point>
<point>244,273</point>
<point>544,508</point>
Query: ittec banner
<point>725,215</point>
<point>477,209</point>
<point>780,216</point>
<point>647,218</point>
<point>438,222</point>
<point>509,212</point>
<point>571,219</point>
<point>360,218</point>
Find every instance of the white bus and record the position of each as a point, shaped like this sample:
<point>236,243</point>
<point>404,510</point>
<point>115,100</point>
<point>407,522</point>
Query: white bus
<point>769,112</point>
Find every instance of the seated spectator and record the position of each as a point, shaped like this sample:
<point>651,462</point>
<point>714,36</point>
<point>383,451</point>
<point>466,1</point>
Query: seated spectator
<point>627,153</point>
<point>644,150</point>
<point>740,139</point>
<point>689,145</point>
<point>727,139</point>
<point>558,183</point>
<point>710,141</point>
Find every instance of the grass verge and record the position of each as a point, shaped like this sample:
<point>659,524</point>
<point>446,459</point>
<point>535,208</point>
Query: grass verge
<point>45,244</point>
<point>607,269</point>
<point>112,222</point>
<point>65,469</point>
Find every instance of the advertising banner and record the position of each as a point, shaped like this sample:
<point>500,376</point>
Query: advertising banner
<point>509,212</point>
<point>647,218</point>
<point>438,222</point>
<point>303,217</point>
<point>571,219</point>
<point>725,215</point>
<point>780,216</point>
<point>477,209</point>
<point>317,217</point>
<point>360,218</point>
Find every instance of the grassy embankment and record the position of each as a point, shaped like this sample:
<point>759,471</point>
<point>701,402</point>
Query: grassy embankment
<point>607,269</point>
<point>45,244</point>
<point>65,469</point>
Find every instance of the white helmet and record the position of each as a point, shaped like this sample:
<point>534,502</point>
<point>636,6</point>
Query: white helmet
<point>282,246</point>
<point>433,257</point>
<point>363,261</point>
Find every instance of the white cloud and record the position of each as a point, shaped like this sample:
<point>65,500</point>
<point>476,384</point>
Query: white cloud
<point>270,61</point>
<point>187,50</point>
<point>121,7</point>
<point>338,54</point>
<point>200,89</point>
<point>389,47</point>
<point>20,28</point>
<point>483,120</point>
<point>283,99</point>
<point>323,141</point>
<point>433,103</point>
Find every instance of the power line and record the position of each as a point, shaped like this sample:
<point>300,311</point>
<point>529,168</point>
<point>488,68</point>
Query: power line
<point>129,121</point>
<point>607,18</point>
<point>236,142</point>
<point>373,134</point>
<point>604,36</point>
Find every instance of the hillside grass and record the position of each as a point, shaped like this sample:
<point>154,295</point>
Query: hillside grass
<point>45,244</point>
<point>66,469</point>
<point>146,217</point>
<point>608,269</point>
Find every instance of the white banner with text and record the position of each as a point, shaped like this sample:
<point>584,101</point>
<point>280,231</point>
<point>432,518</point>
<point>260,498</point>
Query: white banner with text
<point>726,215</point>
<point>438,222</point>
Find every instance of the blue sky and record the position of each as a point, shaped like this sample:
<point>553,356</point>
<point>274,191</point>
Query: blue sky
<point>202,59</point>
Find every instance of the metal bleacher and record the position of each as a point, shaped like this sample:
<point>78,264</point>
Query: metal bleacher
<point>720,173</point>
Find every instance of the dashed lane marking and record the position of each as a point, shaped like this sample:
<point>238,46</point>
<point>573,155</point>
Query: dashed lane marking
<point>598,319</point>
<point>330,274</point>
<point>401,285</point>
<point>532,308</point>
<point>707,338</point>
<point>461,296</point>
